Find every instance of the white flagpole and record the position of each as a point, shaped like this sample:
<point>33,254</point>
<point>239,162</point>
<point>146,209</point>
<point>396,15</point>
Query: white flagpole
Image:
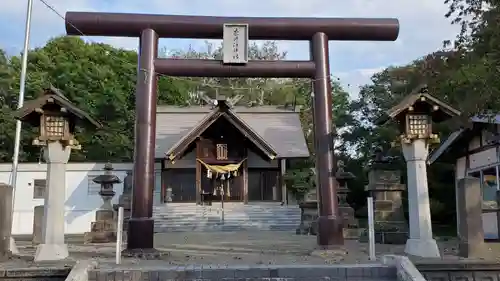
<point>20,102</point>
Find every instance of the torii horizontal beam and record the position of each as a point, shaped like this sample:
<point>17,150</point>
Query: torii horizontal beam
<point>205,27</point>
<point>215,68</point>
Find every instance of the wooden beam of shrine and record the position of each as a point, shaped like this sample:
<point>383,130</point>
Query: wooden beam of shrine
<point>215,68</point>
<point>206,27</point>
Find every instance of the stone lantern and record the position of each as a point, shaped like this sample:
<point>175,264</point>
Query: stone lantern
<point>56,117</point>
<point>107,180</point>
<point>103,230</point>
<point>415,115</point>
<point>351,230</point>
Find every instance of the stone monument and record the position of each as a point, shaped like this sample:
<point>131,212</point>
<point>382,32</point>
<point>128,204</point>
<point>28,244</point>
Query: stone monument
<point>103,230</point>
<point>125,199</point>
<point>56,118</point>
<point>384,185</point>
<point>470,224</point>
<point>37,224</point>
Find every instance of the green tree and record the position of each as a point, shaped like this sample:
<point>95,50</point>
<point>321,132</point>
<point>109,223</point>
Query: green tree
<point>99,79</point>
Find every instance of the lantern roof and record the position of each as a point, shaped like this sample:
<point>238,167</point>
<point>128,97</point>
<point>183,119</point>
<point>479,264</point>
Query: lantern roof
<point>422,103</point>
<point>31,112</point>
<point>107,179</point>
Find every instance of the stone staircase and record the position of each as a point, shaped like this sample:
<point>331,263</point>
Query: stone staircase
<point>179,217</point>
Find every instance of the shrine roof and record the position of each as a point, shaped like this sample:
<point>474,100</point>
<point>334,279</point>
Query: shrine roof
<point>461,137</point>
<point>279,127</point>
<point>28,112</point>
<point>444,112</point>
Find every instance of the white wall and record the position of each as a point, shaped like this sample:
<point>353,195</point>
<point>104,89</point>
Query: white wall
<point>81,203</point>
<point>483,158</point>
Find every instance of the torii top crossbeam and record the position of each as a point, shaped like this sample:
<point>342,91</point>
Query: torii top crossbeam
<point>206,27</point>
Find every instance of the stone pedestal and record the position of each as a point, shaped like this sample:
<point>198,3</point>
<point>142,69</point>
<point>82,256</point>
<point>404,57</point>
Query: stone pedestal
<point>470,224</point>
<point>103,230</point>
<point>5,220</point>
<point>308,218</point>
<point>386,190</point>
<point>308,214</point>
<point>421,242</point>
<point>53,246</point>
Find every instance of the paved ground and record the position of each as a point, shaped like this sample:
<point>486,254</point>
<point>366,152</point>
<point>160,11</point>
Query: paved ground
<point>249,248</point>
<point>233,248</point>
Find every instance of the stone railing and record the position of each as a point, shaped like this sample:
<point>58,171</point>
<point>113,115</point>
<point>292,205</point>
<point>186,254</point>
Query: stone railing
<point>459,270</point>
<point>405,269</point>
<point>16,273</point>
<point>351,272</point>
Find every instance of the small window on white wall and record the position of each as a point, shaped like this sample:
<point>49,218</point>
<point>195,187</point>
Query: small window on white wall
<point>39,186</point>
<point>489,189</point>
<point>93,188</point>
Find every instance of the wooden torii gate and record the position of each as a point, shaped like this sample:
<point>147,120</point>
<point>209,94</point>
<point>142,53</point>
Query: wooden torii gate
<point>149,28</point>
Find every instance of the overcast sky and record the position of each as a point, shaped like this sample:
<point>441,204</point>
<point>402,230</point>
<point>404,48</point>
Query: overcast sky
<point>423,27</point>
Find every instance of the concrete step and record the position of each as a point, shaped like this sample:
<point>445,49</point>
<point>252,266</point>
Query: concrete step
<point>222,228</point>
<point>226,206</point>
<point>232,222</point>
<point>227,215</point>
<point>183,217</point>
<point>199,211</point>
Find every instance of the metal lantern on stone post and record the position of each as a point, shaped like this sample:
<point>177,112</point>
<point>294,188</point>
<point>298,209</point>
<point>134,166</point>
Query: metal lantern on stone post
<point>415,115</point>
<point>56,117</point>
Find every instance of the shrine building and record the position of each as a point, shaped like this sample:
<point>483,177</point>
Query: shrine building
<point>248,146</point>
<point>475,152</point>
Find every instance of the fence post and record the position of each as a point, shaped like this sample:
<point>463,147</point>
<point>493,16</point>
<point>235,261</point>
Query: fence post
<point>371,229</point>
<point>119,236</point>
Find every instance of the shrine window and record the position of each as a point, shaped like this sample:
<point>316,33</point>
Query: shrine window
<point>222,151</point>
<point>39,186</point>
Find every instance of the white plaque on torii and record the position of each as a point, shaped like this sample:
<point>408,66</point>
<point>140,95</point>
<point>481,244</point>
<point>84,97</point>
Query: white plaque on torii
<point>235,43</point>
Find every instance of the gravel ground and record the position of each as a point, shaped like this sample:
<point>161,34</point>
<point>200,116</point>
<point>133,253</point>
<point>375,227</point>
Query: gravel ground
<point>249,248</point>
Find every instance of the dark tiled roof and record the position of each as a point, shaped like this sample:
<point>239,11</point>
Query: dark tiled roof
<point>444,112</point>
<point>25,113</point>
<point>279,127</point>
